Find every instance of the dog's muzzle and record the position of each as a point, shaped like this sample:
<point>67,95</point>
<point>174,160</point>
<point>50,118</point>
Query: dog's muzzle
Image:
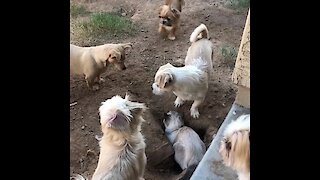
<point>156,90</point>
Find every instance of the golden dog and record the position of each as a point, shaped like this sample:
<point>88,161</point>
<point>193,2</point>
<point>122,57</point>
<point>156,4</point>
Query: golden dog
<point>93,61</point>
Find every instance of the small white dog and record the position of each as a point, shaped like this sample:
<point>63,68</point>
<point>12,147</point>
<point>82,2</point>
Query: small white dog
<point>191,81</point>
<point>93,61</point>
<point>235,146</point>
<point>122,146</point>
<point>188,147</point>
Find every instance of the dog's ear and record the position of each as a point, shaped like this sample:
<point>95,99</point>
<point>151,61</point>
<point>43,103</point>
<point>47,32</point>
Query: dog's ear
<point>164,123</point>
<point>160,9</point>
<point>126,45</point>
<point>175,12</point>
<point>127,97</point>
<point>165,80</point>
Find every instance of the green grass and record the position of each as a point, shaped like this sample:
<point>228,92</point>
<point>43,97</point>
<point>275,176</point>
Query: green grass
<point>229,55</point>
<point>77,10</point>
<point>238,4</point>
<point>107,23</point>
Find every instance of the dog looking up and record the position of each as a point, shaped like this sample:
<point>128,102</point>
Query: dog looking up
<point>169,15</point>
<point>122,146</point>
<point>191,81</point>
<point>188,147</point>
<point>93,61</point>
<point>235,146</point>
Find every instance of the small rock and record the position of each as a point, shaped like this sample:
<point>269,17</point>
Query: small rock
<point>81,117</point>
<point>142,30</point>
<point>166,51</point>
<point>123,14</point>
<point>82,127</point>
<point>86,145</point>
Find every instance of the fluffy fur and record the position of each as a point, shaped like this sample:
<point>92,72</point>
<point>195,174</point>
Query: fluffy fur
<point>188,147</point>
<point>169,15</point>
<point>122,146</point>
<point>191,81</point>
<point>93,61</point>
<point>235,146</point>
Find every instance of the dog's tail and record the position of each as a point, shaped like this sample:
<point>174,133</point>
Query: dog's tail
<point>187,173</point>
<point>77,177</point>
<point>200,32</point>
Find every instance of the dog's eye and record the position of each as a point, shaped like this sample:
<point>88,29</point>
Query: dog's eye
<point>168,19</point>
<point>160,17</point>
<point>228,145</point>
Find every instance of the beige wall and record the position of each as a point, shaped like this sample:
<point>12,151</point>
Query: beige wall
<point>241,72</point>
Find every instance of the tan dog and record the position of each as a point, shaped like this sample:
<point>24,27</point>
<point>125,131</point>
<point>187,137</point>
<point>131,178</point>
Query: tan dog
<point>169,15</point>
<point>122,146</point>
<point>191,81</point>
<point>93,61</point>
<point>235,146</point>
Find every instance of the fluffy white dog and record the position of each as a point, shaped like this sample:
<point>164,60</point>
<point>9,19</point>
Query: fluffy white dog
<point>191,81</point>
<point>235,146</point>
<point>122,146</point>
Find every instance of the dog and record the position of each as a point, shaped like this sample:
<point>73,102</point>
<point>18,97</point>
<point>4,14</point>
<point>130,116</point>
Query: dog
<point>188,147</point>
<point>93,61</point>
<point>189,82</point>
<point>169,15</point>
<point>122,147</point>
<point>235,146</point>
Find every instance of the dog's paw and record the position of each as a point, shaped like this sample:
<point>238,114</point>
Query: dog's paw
<point>101,80</point>
<point>194,113</point>
<point>98,138</point>
<point>171,37</point>
<point>178,102</point>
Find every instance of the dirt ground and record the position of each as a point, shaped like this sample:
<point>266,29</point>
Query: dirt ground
<point>149,52</point>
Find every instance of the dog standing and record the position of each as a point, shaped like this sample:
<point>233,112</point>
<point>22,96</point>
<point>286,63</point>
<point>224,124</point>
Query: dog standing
<point>191,81</point>
<point>93,61</point>
<point>169,15</point>
<point>188,147</point>
<point>235,146</point>
<point>122,146</point>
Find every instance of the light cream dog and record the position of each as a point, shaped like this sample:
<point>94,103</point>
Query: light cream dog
<point>235,146</point>
<point>122,146</point>
<point>191,81</point>
<point>188,147</point>
<point>93,61</point>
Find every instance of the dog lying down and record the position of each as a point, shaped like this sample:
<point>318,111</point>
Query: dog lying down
<point>93,61</point>
<point>122,147</point>
<point>235,146</point>
<point>188,147</point>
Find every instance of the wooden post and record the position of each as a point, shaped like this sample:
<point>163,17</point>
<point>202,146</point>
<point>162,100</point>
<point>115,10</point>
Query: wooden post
<point>241,72</point>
